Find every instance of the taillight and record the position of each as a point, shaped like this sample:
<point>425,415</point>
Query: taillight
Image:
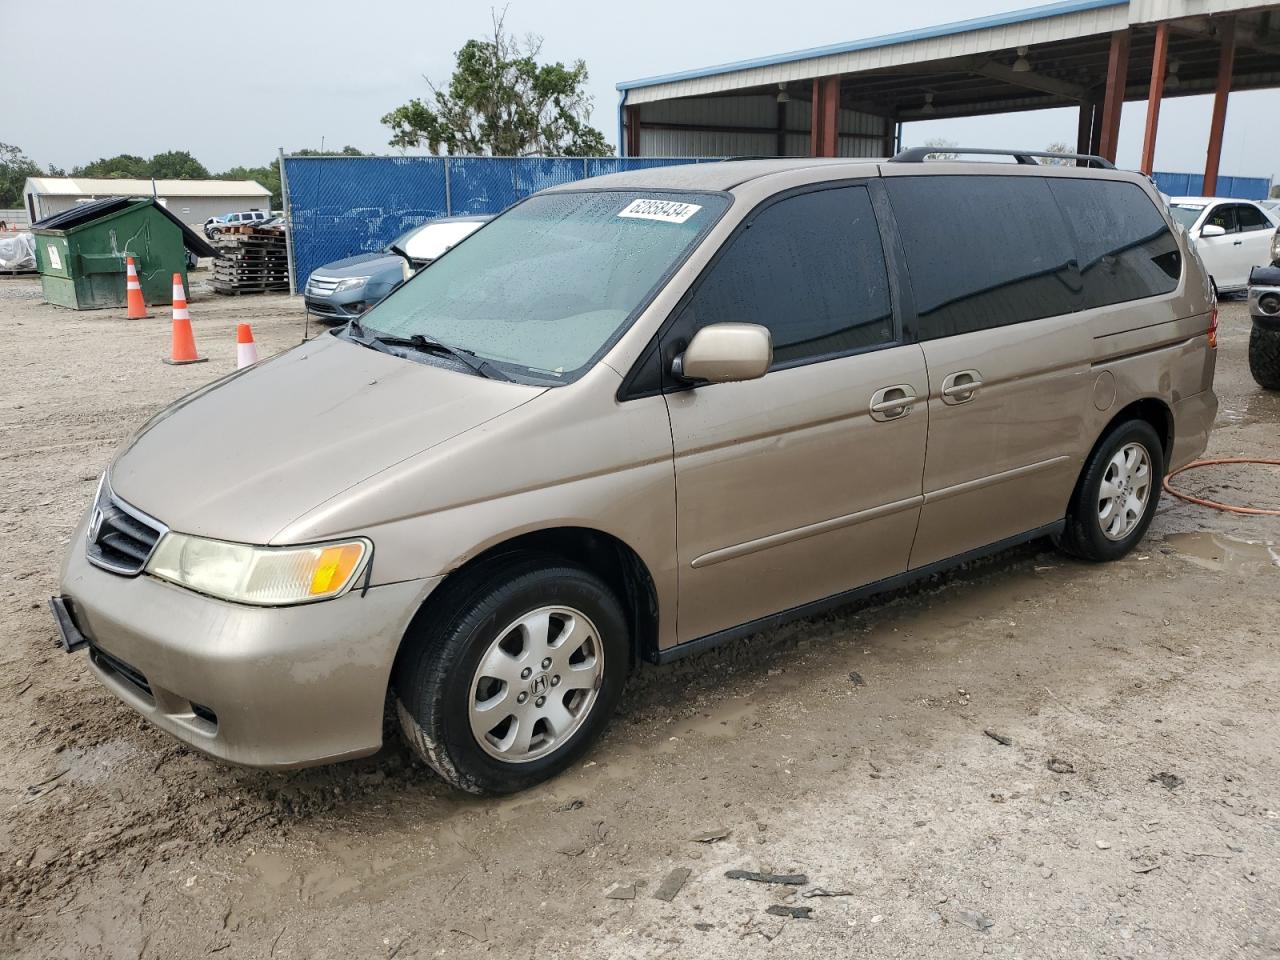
<point>1213,328</point>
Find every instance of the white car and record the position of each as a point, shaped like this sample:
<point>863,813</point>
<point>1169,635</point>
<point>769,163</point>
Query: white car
<point>1231,236</point>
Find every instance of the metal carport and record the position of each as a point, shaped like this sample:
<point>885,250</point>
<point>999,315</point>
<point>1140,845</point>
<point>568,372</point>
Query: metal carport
<point>850,99</point>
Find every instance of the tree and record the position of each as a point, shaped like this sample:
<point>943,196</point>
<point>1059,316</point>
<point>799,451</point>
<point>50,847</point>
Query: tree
<point>1057,147</point>
<point>944,146</point>
<point>15,167</point>
<point>176,165</point>
<point>125,165</point>
<point>501,102</point>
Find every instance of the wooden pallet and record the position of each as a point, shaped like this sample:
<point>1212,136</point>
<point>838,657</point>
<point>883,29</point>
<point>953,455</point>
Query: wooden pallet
<point>250,260</point>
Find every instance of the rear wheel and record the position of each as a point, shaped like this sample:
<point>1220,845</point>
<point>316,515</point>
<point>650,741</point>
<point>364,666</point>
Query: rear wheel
<point>1116,495</point>
<point>512,673</point>
<point>1264,357</point>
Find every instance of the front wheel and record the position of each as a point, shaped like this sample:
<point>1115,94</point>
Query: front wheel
<point>1116,495</point>
<point>512,673</point>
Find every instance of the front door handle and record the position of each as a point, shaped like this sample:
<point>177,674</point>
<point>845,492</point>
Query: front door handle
<point>961,386</point>
<point>1237,243</point>
<point>890,403</point>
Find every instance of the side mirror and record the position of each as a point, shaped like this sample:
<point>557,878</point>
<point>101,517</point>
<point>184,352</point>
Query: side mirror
<point>1212,230</point>
<point>725,352</point>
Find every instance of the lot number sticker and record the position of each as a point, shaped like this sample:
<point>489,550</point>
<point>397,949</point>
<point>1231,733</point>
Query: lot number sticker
<point>668,211</point>
<point>55,261</point>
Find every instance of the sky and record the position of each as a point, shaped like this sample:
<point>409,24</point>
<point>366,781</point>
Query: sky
<point>232,81</point>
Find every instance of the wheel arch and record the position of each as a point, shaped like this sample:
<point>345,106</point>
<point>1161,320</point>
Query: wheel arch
<point>604,554</point>
<point>1152,410</point>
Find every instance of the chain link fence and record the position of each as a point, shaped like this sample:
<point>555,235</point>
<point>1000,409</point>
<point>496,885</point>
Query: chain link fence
<point>341,206</point>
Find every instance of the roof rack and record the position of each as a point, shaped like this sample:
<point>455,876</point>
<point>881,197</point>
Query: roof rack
<point>918,154</point>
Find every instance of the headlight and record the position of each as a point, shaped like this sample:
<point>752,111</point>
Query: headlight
<point>1275,247</point>
<point>350,283</point>
<point>264,576</point>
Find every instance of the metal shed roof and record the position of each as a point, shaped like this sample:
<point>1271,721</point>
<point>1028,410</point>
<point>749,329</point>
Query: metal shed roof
<point>108,186</point>
<point>1062,21</point>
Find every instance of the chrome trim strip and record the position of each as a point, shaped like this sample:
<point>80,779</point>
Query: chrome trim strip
<point>108,496</point>
<point>969,485</point>
<point>803,533</point>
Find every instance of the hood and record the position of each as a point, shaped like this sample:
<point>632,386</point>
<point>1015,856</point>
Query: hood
<point>362,265</point>
<point>241,458</point>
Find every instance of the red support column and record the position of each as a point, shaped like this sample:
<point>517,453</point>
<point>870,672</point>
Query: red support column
<point>1113,103</point>
<point>1155,93</point>
<point>1226,63</point>
<point>633,132</point>
<point>824,123</point>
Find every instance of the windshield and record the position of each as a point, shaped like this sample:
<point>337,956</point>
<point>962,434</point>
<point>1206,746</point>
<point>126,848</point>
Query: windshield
<point>1186,214</point>
<point>430,240</point>
<point>547,286</point>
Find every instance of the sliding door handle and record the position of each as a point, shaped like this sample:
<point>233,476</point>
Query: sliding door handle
<point>961,387</point>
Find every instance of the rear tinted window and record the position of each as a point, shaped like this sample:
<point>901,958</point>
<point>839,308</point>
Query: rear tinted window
<point>1123,245</point>
<point>1251,218</point>
<point>983,251</point>
<point>809,267</point>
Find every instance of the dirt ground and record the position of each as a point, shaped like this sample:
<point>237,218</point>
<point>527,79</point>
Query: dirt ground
<point>850,748</point>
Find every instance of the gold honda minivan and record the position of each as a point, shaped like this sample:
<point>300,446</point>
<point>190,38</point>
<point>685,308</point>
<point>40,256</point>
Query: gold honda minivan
<point>628,419</point>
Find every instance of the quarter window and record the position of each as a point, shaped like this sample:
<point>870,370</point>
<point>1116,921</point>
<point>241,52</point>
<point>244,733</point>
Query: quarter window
<point>983,251</point>
<point>809,267</point>
<point>1123,245</point>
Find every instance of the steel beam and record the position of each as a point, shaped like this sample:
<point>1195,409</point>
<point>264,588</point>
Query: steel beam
<point>825,122</point>
<point>633,132</point>
<point>1159,64</point>
<point>1113,103</point>
<point>1226,63</point>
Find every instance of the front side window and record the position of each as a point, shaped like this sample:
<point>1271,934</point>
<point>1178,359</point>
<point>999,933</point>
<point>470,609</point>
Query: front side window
<point>1224,216</point>
<point>1123,245</point>
<point>811,269</point>
<point>983,251</point>
<point>545,288</point>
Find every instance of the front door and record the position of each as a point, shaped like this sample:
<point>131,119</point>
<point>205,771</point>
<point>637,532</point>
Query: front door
<point>1227,257</point>
<point>792,488</point>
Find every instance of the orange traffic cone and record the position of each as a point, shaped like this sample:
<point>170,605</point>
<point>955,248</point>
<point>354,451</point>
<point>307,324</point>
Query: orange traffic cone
<point>246,349</point>
<point>184,341</point>
<point>133,292</point>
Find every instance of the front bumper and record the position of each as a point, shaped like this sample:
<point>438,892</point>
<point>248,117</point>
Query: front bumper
<point>1264,297</point>
<point>332,308</point>
<point>261,686</point>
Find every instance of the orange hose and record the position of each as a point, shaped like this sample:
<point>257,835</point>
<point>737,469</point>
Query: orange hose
<point>1229,508</point>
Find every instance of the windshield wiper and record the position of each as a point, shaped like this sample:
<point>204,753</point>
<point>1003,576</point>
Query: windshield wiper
<point>425,344</point>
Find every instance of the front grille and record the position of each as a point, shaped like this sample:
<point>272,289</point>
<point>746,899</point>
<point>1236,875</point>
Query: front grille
<point>121,538</point>
<point>127,672</point>
<point>322,286</point>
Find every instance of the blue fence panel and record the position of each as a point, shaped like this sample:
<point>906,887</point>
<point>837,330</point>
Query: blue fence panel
<point>341,206</point>
<point>1192,185</point>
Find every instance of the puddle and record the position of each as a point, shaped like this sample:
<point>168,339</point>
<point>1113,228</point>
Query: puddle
<point>1217,551</point>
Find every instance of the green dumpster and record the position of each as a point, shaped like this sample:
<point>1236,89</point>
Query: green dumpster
<point>80,253</point>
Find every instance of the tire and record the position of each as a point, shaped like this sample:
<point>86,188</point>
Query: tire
<point>1264,357</point>
<point>479,619</point>
<point>1091,513</point>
